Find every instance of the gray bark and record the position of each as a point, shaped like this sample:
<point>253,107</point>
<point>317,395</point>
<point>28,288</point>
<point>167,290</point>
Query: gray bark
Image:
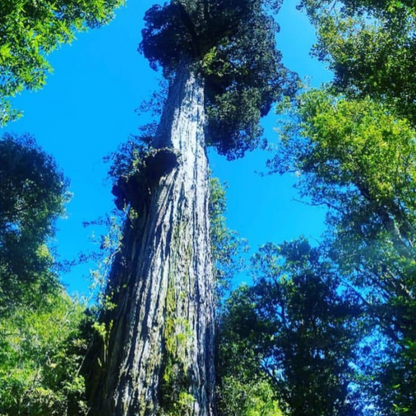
<point>157,355</point>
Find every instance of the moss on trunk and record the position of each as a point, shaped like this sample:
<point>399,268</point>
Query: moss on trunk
<point>160,344</point>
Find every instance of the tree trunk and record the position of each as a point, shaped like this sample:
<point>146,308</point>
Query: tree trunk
<point>157,355</point>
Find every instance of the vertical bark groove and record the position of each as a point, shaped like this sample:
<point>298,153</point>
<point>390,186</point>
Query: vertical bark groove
<point>161,331</point>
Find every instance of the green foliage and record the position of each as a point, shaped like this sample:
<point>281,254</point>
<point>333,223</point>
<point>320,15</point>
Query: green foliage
<point>126,159</point>
<point>226,247</point>
<point>41,341</point>
<point>41,351</point>
<point>370,46</point>
<point>299,326</point>
<point>248,397</point>
<point>352,145</point>
<point>29,30</point>
<point>358,157</point>
<point>358,147</point>
<point>243,389</point>
<point>191,28</point>
<point>33,194</point>
<point>232,46</point>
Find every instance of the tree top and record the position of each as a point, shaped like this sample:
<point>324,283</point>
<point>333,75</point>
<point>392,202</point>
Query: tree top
<point>232,45</point>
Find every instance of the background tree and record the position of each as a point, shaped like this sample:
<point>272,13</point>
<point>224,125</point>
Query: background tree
<point>33,195</point>
<point>369,44</point>
<point>41,351</point>
<point>157,349</point>
<point>42,342</point>
<point>29,30</point>
<point>297,328</point>
<point>358,157</point>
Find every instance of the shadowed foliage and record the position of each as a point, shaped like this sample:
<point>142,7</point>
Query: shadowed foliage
<point>33,194</point>
<point>232,44</point>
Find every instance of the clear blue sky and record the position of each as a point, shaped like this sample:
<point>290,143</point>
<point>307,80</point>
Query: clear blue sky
<point>87,109</point>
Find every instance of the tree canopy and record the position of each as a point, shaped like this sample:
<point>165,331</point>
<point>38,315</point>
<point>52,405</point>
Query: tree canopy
<point>43,332</point>
<point>298,326</point>
<point>351,144</point>
<point>29,30</point>
<point>232,45</point>
<point>370,46</point>
<point>357,157</point>
<point>33,195</point>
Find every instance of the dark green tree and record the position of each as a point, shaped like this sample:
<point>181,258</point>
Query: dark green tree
<point>33,194</point>
<point>233,44</point>
<point>157,348</point>
<point>29,30</point>
<point>297,327</point>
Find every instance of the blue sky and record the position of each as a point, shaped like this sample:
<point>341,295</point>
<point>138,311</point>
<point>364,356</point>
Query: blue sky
<point>87,109</point>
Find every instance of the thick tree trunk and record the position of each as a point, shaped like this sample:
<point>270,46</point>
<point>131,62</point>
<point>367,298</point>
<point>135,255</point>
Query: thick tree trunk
<point>157,355</point>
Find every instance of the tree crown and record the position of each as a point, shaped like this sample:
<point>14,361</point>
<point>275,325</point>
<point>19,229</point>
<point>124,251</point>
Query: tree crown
<point>232,45</point>
<point>33,194</point>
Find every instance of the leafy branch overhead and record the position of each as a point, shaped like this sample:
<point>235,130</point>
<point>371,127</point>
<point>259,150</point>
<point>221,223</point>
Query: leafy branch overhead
<point>232,45</point>
<point>29,30</point>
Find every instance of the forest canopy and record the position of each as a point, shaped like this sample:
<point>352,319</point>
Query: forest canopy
<point>326,327</point>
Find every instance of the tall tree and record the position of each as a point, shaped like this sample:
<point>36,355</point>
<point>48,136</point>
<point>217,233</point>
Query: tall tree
<point>370,45</point>
<point>29,30</point>
<point>358,157</point>
<point>157,349</point>
<point>352,145</point>
<point>41,346</point>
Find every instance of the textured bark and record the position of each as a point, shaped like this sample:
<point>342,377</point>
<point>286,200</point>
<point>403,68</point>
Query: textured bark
<point>158,349</point>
